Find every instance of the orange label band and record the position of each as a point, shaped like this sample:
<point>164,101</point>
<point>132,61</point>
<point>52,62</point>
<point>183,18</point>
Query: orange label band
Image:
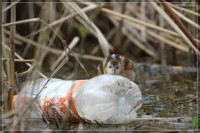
<point>63,108</point>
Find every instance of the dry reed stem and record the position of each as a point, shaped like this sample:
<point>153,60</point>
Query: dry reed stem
<point>137,21</point>
<point>136,11</point>
<point>11,64</point>
<point>61,20</point>
<point>95,50</point>
<point>43,37</point>
<point>36,44</point>
<point>85,56</point>
<point>21,22</point>
<point>27,72</point>
<point>51,50</point>
<point>1,61</point>
<point>162,44</point>
<point>60,58</point>
<point>10,6</point>
<point>169,42</point>
<point>111,33</point>
<point>174,25</point>
<point>76,57</point>
<point>186,19</point>
<point>135,41</point>
<point>102,40</point>
<point>139,44</point>
<point>28,64</point>
<point>143,33</point>
<point>33,26</point>
<point>66,46</point>
<point>118,34</point>
<point>179,24</point>
<point>51,9</point>
<point>184,9</point>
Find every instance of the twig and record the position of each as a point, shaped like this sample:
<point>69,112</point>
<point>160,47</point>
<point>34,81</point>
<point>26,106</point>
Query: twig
<point>31,68</point>
<point>65,44</point>
<point>139,125</point>
<point>71,46</point>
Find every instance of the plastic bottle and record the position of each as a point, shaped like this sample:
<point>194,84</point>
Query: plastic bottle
<point>107,99</point>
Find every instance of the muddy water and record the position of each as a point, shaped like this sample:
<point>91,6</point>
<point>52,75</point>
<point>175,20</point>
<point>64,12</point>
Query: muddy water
<point>169,103</point>
<point>169,95</point>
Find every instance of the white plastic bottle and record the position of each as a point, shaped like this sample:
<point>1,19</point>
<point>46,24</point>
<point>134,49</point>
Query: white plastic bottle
<point>107,99</point>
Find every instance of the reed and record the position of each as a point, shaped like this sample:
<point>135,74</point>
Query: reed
<point>10,62</point>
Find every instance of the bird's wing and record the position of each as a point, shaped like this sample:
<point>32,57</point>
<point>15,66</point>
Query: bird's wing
<point>128,64</point>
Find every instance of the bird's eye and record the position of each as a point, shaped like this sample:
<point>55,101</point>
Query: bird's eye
<point>110,66</point>
<point>117,67</point>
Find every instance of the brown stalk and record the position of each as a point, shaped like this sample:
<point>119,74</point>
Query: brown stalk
<point>11,64</point>
<point>28,64</point>
<point>118,36</point>
<point>1,62</point>
<point>179,23</point>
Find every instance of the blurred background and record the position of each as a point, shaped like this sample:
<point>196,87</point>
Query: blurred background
<point>141,31</point>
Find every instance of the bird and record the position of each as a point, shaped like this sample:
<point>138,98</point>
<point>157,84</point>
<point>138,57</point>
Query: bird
<point>116,64</point>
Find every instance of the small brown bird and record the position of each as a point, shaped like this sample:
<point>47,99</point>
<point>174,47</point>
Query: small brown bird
<point>117,65</point>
